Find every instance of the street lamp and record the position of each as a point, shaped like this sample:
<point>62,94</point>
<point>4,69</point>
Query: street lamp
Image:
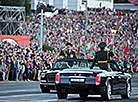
<point>40,6</point>
<point>113,31</point>
<point>41,42</point>
<point>86,23</point>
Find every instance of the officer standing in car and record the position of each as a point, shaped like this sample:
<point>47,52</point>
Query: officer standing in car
<point>68,53</point>
<point>102,56</point>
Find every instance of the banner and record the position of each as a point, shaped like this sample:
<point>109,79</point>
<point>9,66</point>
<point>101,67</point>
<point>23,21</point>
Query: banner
<point>16,40</point>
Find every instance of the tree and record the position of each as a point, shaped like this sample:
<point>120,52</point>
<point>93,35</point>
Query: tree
<point>46,47</point>
<point>121,1</point>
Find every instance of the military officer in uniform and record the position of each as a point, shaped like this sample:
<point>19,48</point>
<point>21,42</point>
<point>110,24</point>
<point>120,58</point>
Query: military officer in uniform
<point>102,56</point>
<point>69,53</point>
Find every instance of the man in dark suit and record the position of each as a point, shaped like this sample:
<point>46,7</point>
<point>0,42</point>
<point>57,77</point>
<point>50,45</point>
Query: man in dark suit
<point>102,56</point>
<point>69,53</point>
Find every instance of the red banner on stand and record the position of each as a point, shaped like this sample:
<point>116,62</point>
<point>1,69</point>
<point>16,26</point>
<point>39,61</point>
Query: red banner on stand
<point>19,40</point>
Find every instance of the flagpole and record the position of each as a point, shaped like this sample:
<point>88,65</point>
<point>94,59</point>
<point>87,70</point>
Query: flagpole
<point>113,41</point>
<point>85,33</point>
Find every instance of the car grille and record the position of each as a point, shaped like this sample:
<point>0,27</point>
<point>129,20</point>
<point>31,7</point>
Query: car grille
<point>51,77</point>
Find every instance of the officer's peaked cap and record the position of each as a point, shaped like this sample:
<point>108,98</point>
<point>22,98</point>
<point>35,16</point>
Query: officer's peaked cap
<point>102,45</point>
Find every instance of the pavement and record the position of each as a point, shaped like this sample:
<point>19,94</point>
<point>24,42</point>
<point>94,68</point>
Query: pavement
<point>12,91</point>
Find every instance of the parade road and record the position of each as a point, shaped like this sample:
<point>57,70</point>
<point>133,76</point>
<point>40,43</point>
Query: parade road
<point>11,91</point>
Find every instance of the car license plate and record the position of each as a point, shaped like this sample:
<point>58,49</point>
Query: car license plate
<point>77,80</point>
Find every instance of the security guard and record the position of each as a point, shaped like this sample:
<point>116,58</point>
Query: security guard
<point>102,56</point>
<point>69,53</point>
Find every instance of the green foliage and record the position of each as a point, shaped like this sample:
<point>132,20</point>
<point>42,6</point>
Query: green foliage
<point>12,2</point>
<point>27,18</point>
<point>46,47</point>
<point>121,1</point>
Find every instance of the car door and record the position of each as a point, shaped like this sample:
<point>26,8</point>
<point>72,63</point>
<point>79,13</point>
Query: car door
<point>123,80</point>
<point>116,78</point>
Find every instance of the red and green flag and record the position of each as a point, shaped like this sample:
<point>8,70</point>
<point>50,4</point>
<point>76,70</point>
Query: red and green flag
<point>108,44</point>
<point>119,20</point>
<point>135,45</point>
<point>82,36</point>
<point>106,41</point>
<point>123,45</point>
<point>89,44</point>
<point>78,51</point>
<point>91,50</point>
<point>127,47</point>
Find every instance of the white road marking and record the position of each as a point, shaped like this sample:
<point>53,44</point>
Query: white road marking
<point>24,95</point>
<point>11,91</point>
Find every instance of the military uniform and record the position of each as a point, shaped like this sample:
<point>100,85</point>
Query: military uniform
<point>69,53</point>
<point>102,56</point>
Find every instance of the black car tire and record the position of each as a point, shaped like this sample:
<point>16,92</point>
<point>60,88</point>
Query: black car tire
<point>107,95</point>
<point>83,95</point>
<point>45,90</point>
<point>62,95</point>
<point>127,91</point>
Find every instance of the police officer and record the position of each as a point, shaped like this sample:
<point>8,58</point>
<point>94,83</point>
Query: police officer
<point>102,56</point>
<point>69,53</point>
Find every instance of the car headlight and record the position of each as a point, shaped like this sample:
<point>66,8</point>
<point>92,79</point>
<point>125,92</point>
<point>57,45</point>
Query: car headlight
<point>43,75</point>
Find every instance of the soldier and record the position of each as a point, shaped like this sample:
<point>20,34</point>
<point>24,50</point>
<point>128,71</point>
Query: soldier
<point>102,56</point>
<point>69,53</point>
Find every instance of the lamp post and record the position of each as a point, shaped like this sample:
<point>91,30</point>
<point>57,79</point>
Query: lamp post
<point>86,23</point>
<point>41,41</point>
<point>113,34</point>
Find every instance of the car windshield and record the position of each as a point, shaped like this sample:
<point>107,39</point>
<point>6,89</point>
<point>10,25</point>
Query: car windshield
<point>73,63</point>
<point>83,64</point>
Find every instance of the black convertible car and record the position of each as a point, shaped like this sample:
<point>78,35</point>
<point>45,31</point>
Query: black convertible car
<point>47,80</point>
<point>82,80</point>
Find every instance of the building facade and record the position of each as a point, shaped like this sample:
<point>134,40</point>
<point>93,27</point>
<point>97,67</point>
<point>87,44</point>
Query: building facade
<point>100,3</point>
<point>75,4</point>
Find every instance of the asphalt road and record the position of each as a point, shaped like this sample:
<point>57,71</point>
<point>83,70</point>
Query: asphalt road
<point>30,92</point>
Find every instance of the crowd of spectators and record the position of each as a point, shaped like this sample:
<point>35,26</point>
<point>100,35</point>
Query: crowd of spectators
<point>67,27</point>
<point>22,63</point>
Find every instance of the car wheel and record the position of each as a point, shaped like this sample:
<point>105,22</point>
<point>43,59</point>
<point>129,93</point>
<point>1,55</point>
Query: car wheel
<point>127,91</point>
<point>45,90</point>
<point>62,95</point>
<point>83,95</point>
<point>107,95</point>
